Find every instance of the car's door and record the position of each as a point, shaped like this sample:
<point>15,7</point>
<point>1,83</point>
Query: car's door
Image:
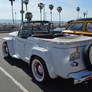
<point>19,43</point>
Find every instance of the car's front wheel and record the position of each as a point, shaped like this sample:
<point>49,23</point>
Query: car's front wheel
<point>39,70</point>
<point>5,50</point>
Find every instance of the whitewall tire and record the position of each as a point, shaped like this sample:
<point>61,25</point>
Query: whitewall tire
<point>39,70</point>
<point>5,50</point>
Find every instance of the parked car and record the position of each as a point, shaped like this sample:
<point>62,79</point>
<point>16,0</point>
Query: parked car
<point>80,26</point>
<point>50,55</point>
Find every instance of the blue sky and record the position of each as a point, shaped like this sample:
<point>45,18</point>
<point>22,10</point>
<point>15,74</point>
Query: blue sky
<point>68,12</point>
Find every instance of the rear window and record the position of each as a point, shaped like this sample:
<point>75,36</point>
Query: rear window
<point>89,27</point>
<point>75,26</point>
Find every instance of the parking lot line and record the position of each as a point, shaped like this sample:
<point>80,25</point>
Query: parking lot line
<point>14,80</point>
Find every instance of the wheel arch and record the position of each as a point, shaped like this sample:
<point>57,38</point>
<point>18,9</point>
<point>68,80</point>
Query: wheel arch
<point>10,44</point>
<point>87,57</point>
<point>49,66</point>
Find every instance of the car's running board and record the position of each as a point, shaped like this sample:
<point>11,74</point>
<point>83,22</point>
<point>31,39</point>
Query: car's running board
<point>81,76</point>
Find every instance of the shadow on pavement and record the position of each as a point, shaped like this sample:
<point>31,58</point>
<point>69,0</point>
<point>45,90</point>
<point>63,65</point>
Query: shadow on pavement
<point>56,85</point>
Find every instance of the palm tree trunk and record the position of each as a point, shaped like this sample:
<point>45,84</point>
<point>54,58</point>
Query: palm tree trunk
<point>12,15</point>
<point>59,19</point>
<point>26,7</point>
<point>40,14</point>
<point>15,17</point>
<point>44,13</point>
<point>78,15</point>
<point>51,15</point>
<point>22,12</point>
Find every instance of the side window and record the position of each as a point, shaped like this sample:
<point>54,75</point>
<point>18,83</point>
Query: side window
<point>75,26</point>
<point>89,27</point>
<point>24,34</point>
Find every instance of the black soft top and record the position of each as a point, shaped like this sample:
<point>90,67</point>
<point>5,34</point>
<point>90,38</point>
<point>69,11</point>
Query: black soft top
<point>38,22</point>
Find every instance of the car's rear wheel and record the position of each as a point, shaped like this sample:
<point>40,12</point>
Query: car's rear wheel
<point>88,56</point>
<point>5,50</point>
<point>39,70</point>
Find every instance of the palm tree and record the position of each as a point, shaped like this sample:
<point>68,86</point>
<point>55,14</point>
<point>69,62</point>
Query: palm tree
<point>51,8</point>
<point>12,9</point>
<point>41,5</point>
<point>78,10</point>
<point>28,16</point>
<point>26,3</point>
<point>59,9</point>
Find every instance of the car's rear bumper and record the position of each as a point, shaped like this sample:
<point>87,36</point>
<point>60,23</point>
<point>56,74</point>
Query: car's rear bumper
<point>81,76</point>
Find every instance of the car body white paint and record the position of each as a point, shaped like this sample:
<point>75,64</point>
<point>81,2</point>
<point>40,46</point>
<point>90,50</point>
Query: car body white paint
<point>55,52</point>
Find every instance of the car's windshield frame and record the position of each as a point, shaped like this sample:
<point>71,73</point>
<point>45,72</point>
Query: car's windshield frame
<point>34,27</point>
<point>82,25</point>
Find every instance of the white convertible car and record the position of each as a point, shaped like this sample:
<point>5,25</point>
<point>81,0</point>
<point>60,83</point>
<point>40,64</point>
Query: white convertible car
<point>51,55</point>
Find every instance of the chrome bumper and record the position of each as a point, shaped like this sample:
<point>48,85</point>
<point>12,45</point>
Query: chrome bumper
<point>81,76</point>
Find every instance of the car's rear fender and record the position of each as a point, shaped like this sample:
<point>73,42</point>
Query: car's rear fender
<point>43,54</point>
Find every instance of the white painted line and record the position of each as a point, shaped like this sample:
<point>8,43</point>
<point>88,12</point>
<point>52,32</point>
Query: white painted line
<point>15,81</point>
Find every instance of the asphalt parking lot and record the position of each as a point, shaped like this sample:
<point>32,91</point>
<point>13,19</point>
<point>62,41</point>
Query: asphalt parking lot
<point>15,77</point>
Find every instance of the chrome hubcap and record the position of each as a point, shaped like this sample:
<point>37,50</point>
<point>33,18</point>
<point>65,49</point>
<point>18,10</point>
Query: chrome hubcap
<point>5,48</point>
<point>38,70</point>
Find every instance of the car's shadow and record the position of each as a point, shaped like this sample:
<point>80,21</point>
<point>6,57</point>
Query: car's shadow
<point>56,85</point>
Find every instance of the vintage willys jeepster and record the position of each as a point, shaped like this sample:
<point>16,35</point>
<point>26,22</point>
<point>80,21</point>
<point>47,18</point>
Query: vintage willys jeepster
<point>51,55</point>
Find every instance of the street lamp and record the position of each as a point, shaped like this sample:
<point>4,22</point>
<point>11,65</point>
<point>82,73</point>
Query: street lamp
<point>12,9</point>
